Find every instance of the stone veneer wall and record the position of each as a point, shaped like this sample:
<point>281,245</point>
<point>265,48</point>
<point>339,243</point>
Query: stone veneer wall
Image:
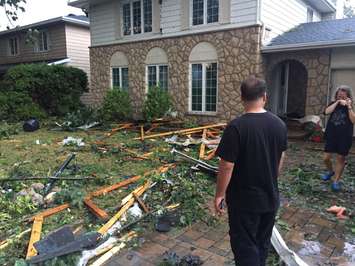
<point>317,64</point>
<point>238,57</point>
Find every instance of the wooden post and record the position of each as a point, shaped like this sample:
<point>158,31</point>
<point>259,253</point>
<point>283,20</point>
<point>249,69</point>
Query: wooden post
<point>142,133</point>
<point>203,145</point>
<point>35,236</point>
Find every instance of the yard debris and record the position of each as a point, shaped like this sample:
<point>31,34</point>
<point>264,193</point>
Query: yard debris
<point>171,258</point>
<point>71,141</point>
<point>175,140</point>
<point>31,125</point>
<point>36,198</point>
<point>182,131</point>
<point>339,211</point>
<point>50,185</point>
<point>35,236</point>
<point>200,165</point>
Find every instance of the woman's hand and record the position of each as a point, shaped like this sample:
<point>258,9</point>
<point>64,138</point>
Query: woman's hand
<point>343,102</point>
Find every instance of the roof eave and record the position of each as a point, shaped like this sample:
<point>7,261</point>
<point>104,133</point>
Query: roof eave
<point>79,3</point>
<point>324,6</point>
<point>306,46</point>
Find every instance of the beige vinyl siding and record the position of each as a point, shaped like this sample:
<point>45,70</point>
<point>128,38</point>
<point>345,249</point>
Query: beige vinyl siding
<point>78,42</point>
<point>343,58</point>
<point>103,22</point>
<point>244,11</point>
<point>56,44</point>
<point>171,16</point>
<point>283,15</point>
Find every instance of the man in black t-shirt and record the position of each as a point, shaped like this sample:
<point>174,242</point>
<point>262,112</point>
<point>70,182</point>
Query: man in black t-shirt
<point>251,151</point>
<point>338,134</point>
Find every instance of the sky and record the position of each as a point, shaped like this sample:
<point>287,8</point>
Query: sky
<point>38,10</point>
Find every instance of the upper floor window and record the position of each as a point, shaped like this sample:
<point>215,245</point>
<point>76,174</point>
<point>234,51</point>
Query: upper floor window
<point>137,17</point>
<point>42,44</point>
<point>13,46</point>
<point>204,11</point>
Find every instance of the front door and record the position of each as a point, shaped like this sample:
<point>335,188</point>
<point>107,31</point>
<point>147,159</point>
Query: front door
<point>279,90</point>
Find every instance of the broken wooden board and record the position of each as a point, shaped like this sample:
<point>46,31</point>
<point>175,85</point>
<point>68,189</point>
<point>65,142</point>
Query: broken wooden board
<point>139,191</point>
<point>203,145</point>
<point>182,131</point>
<point>140,201</point>
<point>51,211</point>
<point>35,236</point>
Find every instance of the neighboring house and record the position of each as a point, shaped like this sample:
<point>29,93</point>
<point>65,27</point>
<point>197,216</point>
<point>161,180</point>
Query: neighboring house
<point>199,50</point>
<point>62,40</point>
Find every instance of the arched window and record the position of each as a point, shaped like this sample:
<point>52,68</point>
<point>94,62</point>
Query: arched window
<point>157,68</point>
<point>119,71</point>
<point>203,78</point>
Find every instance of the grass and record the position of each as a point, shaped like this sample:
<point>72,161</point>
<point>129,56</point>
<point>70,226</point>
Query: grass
<point>21,155</point>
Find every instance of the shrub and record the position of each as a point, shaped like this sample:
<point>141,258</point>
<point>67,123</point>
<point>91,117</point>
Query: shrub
<point>57,89</point>
<point>157,103</point>
<point>18,106</point>
<point>116,106</point>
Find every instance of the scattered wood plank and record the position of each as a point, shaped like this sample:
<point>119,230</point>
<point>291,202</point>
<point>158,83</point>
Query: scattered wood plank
<point>35,236</point>
<point>6,242</point>
<point>142,133</point>
<point>140,201</point>
<point>211,154</point>
<point>120,184</point>
<point>100,213</point>
<point>182,131</point>
<point>103,230</point>
<point>203,145</point>
<point>50,212</point>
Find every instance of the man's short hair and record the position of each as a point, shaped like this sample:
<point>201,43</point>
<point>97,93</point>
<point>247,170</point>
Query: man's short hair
<point>252,89</point>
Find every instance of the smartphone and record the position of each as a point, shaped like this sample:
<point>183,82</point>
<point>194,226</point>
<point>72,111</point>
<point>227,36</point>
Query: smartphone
<point>221,204</point>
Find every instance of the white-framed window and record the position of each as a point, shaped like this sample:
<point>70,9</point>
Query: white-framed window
<point>203,87</point>
<point>13,46</point>
<point>204,12</point>
<point>42,44</point>
<point>137,17</point>
<point>310,15</point>
<point>157,75</point>
<point>119,77</point>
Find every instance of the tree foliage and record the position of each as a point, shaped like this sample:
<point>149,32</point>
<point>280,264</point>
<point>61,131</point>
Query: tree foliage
<point>349,9</point>
<point>11,9</point>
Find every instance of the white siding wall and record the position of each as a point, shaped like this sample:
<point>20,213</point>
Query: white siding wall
<point>283,15</point>
<point>170,16</point>
<point>103,23</point>
<point>244,11</point>
<point>78,42</point>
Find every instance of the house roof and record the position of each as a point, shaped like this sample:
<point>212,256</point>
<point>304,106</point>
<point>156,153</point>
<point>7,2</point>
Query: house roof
<point>323,34</point>
<point>73,19</point>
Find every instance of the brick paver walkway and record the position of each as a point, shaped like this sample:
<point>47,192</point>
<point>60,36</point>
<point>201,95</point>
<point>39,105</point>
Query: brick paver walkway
<point>318,241</point>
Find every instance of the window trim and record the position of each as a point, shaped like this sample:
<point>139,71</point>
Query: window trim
<point>157,66</point>
<point>203,112</point>
<point>121,77</point>
<point>17,46</point>
<point>130,2</point>
<point>205,14</point>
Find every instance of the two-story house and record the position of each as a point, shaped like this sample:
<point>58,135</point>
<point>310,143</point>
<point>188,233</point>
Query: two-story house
<point>62,40</point>
<point>201,50</point>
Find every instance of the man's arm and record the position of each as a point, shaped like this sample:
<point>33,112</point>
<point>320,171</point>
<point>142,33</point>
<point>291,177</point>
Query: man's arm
<point>225,171</point>
<point>281,163</point>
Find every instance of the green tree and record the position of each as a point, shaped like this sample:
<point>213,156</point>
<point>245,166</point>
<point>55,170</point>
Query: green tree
<point>11,9</point>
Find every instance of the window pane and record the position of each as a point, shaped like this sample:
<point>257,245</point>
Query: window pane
<point>115,77</point>
<point>197,12</point>
<point>196,88</point>
<point>137,17</point>
<point>211,87</point>
<point>163,77</point>
<point>212,11</point>
<point>152,76</point>
<point>125,78</point>
<point>147,7</point>
<point>127,19</point>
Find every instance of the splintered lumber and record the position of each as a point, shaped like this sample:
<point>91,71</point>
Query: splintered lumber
<point>51,211</point>
<point>142,132</point>
<point>6,242</point>
<point>182,131</point>
<point>35,236</point>
<point>115,130</point>
<point>140,201</point>
<point>108,189</point>
<point>211,154</point>
<point>94,209</point>
<point>103,230</point>
<point>111,250</point>
<point>203,145</point>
